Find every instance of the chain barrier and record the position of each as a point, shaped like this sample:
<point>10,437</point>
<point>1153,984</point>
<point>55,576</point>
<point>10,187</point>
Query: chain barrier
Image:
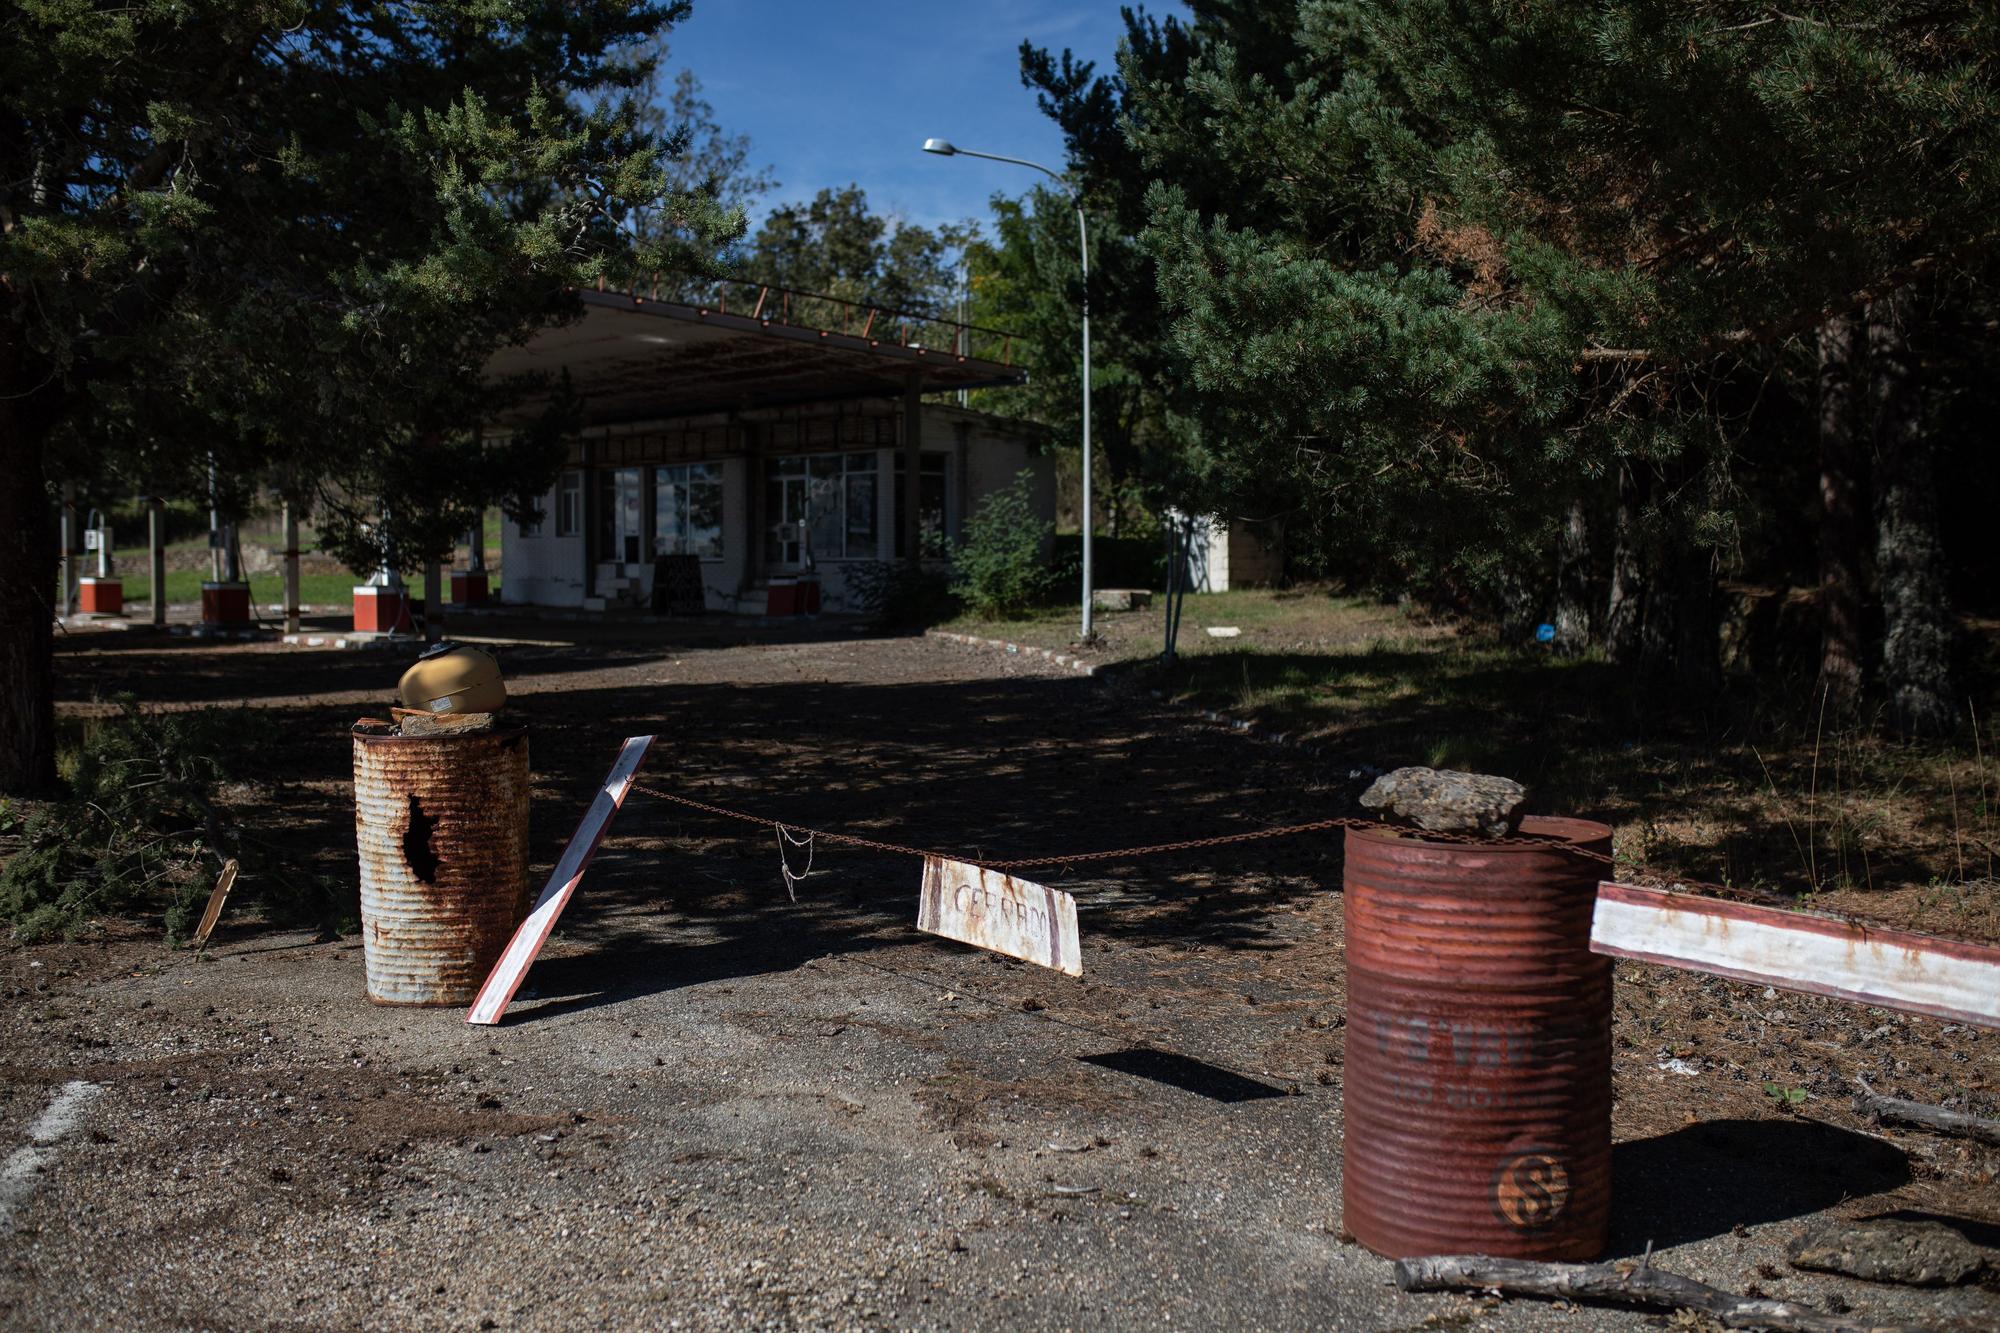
<point>1226,840</point>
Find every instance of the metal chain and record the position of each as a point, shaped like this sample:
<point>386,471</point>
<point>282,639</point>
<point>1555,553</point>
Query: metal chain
<point>1222,840</point>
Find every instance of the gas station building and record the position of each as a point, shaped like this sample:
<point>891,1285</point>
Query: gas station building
<point>780,442</point>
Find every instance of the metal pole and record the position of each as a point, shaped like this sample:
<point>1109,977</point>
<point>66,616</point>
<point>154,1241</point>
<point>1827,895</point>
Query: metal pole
<point>69,570</point>
<point>156,541</point>
<point>962,343</point>
<point>1083,237</point>
<point>433,603</point>
<point>910,503</point>
<point>1083,251</point>
<point>291,518</point>
<point>214,527</point>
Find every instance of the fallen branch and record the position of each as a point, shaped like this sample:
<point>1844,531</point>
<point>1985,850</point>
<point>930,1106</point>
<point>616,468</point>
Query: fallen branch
<point>1896,1111</point>
<point>1631,1283</point>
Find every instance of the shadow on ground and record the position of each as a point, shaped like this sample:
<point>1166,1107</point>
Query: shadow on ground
<point>977,767</point>
<point>1708,1179</point>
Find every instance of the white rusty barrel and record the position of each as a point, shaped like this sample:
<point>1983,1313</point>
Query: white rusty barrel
<point>441,823</point>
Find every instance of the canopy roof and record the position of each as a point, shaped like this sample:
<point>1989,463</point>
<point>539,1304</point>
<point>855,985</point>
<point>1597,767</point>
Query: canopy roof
<point>633,357</point>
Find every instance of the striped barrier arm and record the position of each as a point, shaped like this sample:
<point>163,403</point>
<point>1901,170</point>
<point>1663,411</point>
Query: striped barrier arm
<point>533,933</point>
<point>1801,951</point>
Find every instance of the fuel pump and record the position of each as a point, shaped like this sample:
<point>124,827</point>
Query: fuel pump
<point>103,594</point>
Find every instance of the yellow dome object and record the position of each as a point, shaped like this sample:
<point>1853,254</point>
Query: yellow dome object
<point>452,678</point>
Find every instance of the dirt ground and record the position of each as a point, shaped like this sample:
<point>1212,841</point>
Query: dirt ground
<point>715,1108</point>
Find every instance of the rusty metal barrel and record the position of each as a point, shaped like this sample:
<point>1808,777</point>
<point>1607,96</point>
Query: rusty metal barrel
<point>441,823</point>
<point>1477,1090</point>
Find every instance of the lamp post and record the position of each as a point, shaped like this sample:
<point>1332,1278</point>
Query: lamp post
<point>945,149</point>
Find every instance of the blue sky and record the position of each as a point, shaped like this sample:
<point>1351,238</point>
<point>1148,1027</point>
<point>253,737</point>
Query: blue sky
<point>839,91</point>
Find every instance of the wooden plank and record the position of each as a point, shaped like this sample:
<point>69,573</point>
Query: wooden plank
<point>1801,951</point>
<point>213,912</point>
<point>993,911</point>
<point>505,979</point>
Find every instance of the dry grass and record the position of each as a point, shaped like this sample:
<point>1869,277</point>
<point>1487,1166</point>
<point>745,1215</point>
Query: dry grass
<point>1769,785</point>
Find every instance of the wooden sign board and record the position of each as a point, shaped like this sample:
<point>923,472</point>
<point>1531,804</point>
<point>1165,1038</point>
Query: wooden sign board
<point>677,586</point>
<point>994,911</point>
<point>1801,951</point>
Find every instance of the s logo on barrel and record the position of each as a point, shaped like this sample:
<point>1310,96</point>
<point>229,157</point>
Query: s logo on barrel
<point>1530,1190</point>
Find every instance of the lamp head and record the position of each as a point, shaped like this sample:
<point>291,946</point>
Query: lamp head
<point>942,147</point>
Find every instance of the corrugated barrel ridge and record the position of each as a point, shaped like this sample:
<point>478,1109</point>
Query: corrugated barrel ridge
<point>441,823</point>
<point>1477,1091</point>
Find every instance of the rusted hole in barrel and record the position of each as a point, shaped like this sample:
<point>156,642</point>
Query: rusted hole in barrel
<point>441,828</point>
<point>417,853</point>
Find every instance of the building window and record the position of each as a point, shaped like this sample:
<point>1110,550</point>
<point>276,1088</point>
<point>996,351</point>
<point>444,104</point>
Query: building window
<point>621,515</point>
<point>569,504</point>
<point>832,497</point>
<point>930,505</point>
<point>687,510</point>
<point>530,523</point>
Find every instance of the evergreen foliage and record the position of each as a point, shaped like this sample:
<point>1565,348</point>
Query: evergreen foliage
<point>287,236</point>
<point>1477,283</point>
<point>143,826</point>
<point>834,245</point>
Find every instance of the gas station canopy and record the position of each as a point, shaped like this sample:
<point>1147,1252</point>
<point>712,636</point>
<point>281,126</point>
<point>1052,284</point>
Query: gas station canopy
<point>632,357</point>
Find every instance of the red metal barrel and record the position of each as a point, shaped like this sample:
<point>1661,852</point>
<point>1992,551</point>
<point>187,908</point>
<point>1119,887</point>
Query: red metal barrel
<point>1477,1090</point>
<point>441,823</point>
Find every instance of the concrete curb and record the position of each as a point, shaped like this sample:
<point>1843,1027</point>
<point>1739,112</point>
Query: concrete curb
<point>1075,664</point>
<point>1106,672</point>
<point>351,641</point>
<point>219,632</point>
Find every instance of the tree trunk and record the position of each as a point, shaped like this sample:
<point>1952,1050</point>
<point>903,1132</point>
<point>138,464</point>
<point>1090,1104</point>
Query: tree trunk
<point>1678,638</point>
<point>1842,534</point>
<point>27,579</point>
<point>1572,613</point>
<point>1909,550</point>
<point>1624,609</point>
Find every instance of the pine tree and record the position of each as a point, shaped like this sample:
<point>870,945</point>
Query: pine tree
<point>1453,264</point>
<point>287,236</point>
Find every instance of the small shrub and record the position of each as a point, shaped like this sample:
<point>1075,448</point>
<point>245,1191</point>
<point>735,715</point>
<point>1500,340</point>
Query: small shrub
<point>141,827</point>
<point>999,570</point>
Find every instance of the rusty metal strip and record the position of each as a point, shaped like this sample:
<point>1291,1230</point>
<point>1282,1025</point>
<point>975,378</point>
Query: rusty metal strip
<point>1801,951</point>
<point>985,908</point>
<point>522,950</point>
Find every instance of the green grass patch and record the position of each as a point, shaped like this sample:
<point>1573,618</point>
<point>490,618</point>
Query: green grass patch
<point>1749,787</point>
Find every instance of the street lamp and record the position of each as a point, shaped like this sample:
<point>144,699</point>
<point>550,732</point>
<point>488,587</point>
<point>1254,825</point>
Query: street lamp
<point>943,148</point>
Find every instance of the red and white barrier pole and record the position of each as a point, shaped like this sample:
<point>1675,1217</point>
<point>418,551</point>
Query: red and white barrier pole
<point>505,979</point>
<point>1801,951</point>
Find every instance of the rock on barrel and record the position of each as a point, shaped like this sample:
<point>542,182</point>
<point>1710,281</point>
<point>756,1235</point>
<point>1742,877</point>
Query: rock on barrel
<point>441,822</point>
<point>1477,1091</point>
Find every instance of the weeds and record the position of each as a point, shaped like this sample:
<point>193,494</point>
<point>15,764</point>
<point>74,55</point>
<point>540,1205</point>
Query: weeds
<point>142,827</point>
<point>998,569</point>
<point>1785,1097</point>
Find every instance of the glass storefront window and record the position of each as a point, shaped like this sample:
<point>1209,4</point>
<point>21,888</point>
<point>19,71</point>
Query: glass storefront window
<point>930,507</point>
<point>833,495</point>
<point>687,510</point>
<point>569,504</point>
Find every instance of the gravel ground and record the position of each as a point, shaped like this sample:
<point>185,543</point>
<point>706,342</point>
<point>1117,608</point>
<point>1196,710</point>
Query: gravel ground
<point>720,1109</point>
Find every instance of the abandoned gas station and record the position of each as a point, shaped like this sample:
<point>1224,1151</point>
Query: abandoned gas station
<point>769,441</point>
<point>780,443</point>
